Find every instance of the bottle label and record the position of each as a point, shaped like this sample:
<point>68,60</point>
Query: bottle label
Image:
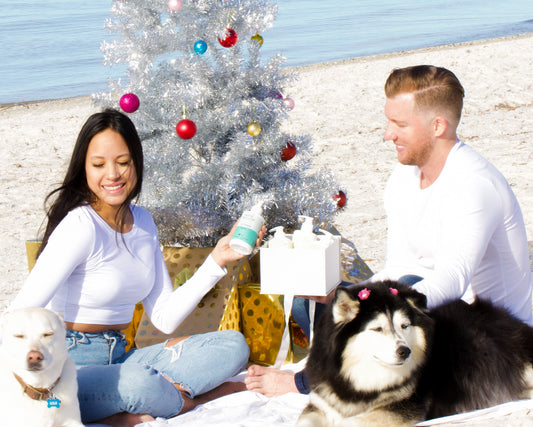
<point>248,228</point>
<point>246,235</point>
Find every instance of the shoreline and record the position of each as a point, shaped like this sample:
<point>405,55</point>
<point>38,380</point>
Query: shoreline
<point>319,65</point>
<point>389,55</point>
<point>339,104</point>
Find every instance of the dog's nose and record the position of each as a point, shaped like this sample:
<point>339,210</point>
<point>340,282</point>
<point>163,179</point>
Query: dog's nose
<point>34,357</point>
<point>403,352</point>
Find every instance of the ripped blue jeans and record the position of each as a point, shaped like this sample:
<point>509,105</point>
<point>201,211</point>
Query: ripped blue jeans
<point>111,380</point>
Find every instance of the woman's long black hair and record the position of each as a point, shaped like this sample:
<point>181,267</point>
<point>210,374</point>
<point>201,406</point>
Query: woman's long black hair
<point>75,191</point>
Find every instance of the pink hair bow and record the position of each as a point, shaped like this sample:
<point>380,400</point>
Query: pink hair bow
<point>363,294</point>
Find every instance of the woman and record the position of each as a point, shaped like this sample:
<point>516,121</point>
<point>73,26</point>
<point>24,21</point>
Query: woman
<point>100,255</point>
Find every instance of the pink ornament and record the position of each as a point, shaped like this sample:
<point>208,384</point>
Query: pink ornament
<point>363,294</point>
<point>175,5</point>
<point>289,103</point>
<point>393,291</point>
<point>186,129</point>
<point>129,102</point>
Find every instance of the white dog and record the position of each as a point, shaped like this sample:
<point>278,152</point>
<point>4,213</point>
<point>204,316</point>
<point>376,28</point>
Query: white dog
<point>38,384</point>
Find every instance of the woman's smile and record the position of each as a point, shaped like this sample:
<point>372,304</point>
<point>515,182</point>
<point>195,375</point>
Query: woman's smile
<point>110,172</point>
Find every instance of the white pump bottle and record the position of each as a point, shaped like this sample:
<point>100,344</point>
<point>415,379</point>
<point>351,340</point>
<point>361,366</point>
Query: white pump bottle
<point>305,238</point>
<point>280,239</point>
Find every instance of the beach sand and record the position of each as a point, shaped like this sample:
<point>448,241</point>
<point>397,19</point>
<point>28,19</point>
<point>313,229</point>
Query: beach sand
<point>340,104</point>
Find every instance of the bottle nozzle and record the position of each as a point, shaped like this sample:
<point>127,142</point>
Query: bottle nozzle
<point>307,225</point>
<point>276,230</point>
<point>257,209</point>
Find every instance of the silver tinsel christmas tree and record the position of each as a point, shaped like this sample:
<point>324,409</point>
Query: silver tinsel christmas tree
<point>201,58</point>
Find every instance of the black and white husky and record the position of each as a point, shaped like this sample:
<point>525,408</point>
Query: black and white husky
<point>380,358</point>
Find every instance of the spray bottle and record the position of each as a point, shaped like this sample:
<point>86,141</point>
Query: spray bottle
<point>245,235</point>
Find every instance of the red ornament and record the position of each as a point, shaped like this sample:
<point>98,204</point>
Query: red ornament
<point>230,39</point>
<point>129,102</point>
<point>288,152</point>
<point>186,129</point>
<point>340,197</point>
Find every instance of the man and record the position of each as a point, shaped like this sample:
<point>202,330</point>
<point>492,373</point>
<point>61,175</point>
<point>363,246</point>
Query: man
<point>455,229</point>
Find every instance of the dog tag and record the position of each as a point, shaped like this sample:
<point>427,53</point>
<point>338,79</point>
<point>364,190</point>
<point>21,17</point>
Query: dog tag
<point>53,403</point>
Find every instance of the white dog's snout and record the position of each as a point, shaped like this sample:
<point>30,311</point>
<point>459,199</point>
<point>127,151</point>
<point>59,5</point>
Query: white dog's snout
<point>34,357</point>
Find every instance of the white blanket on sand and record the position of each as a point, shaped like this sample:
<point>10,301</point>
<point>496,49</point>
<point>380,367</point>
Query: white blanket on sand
<point>249,409</point>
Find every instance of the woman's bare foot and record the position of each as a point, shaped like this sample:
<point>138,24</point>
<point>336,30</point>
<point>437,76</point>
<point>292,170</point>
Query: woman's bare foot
<point>126,420</point>
<point>270,381</point>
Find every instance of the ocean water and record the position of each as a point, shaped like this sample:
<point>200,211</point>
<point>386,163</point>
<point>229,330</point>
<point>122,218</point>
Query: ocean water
<point>51,49</point>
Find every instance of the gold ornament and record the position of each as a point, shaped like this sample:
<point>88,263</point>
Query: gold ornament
<point>258,39</point>
<point>254,129</point>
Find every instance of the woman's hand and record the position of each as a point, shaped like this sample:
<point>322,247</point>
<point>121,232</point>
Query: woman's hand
<point>222,253</point>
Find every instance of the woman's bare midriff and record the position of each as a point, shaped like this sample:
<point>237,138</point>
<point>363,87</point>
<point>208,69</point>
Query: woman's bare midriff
<point>94,329</point>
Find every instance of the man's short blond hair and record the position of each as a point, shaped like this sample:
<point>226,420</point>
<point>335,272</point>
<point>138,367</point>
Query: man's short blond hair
<point>433,87</point>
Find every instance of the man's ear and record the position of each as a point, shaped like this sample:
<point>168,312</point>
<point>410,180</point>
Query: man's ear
<point>345,307</point>
<point>440,126</point>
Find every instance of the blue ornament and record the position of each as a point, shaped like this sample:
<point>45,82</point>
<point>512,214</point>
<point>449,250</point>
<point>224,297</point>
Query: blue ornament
<point>200,47</point>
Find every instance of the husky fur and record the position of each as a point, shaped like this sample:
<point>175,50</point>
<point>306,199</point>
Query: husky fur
<point>381,358</point>
<point>33,347</point>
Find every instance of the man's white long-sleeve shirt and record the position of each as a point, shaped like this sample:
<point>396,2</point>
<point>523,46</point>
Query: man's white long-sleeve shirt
<point>465,231</point>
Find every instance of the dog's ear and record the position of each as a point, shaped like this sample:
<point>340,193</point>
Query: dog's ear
<point>345,307</point>
<point>58,314</point>
<point>416,299</point>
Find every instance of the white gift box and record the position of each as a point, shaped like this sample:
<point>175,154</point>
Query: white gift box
<point>290,271</point>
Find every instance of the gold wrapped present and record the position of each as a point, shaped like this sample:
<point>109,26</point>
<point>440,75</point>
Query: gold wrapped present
<point>32,247</point>
<point>263,322</point>
<point>209,315</point>
<point>131,330</point>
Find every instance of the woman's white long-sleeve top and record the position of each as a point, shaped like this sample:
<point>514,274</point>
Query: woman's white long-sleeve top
<point>91,274</point>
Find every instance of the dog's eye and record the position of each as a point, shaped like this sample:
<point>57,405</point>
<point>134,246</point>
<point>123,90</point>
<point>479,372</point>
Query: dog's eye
<point>48,334</point>
<point>378,329</point>
<point>405,325</point>
<point>20,336</point>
